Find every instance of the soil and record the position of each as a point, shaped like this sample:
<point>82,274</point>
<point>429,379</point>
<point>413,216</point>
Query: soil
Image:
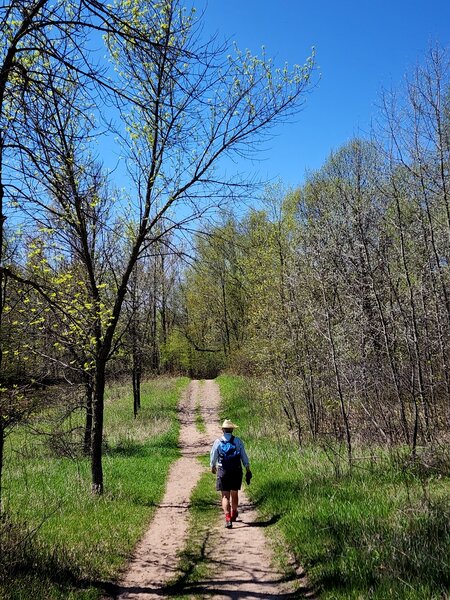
<point>247,571</point>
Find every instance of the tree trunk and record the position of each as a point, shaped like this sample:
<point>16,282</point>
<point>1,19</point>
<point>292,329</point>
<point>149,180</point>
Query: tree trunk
<point>337,376</point>
<point>414,323</point>
<point>154,330</point>
<point>87,446</point>
<point>227,342</point>
<point>2,445</point>
<point>153,310</point>
<point>136,384</point>
<point>97,429</point>
<point>387,345</point>
<point>163,302</point>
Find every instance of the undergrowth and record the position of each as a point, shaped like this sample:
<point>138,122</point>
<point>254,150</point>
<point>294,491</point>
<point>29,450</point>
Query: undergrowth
<point>381,531</point>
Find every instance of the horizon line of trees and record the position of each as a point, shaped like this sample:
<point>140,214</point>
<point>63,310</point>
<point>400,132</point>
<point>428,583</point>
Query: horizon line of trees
<point>334,298</point>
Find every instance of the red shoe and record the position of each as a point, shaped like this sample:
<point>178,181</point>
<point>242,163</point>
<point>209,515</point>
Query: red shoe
<point>228,521</point>
<point>234,515</point>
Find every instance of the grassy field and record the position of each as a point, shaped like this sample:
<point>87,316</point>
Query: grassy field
<point>77,542</point>
<point>381,532</point>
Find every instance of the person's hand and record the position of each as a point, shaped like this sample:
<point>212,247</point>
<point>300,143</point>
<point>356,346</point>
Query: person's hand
<point>248,476</point>
<point>213,470</point>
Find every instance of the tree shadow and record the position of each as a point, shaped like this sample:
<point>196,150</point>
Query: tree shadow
<point>187,582</point>
<point>265,523</point>
<point>205,589</point>
<point>233,594</point>
<point>127,450</point>
<point>388,556</point>
<point>132,449</point>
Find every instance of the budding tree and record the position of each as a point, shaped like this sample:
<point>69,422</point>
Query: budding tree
<point>180,105</point>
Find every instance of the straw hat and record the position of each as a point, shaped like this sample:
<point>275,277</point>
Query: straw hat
<point>227,424</point>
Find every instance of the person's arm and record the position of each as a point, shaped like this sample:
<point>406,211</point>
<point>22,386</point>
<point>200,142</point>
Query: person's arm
<point>213,456</point>
<point>244,457</point>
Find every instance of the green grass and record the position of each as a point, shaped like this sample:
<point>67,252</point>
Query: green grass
<point>199,421</point>
<point>81,541</point>
<point>380,532</point>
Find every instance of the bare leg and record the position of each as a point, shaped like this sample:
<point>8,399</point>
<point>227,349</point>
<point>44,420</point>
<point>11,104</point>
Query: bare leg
<point>234,500</point>
<point>226,502</point>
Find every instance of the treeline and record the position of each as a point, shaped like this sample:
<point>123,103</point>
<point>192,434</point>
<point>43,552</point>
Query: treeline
<point>337,295</point>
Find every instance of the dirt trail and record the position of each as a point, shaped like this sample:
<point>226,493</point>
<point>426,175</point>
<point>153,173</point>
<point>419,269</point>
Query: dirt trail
<point>246,570</point>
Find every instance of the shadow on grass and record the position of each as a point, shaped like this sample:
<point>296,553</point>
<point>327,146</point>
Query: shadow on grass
<point>204,504</point>
<point>29,569</point>
<point>267,523</point>
<point>208,592</point>
<point>190,561</point>
<point>130,448</point>
<point>212,587</point>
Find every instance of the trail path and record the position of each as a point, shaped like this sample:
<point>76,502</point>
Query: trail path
<point>247,571</point>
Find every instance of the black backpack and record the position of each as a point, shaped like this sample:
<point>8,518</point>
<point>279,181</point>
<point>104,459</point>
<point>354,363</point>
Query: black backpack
<point>229,455</point>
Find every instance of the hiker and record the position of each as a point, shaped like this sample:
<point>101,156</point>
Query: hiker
<point>227,454</point>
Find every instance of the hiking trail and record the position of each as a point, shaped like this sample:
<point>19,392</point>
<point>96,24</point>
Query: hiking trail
<point>246,571</point>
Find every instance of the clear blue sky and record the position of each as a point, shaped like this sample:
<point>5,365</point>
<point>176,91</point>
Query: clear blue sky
<point>361,46</point>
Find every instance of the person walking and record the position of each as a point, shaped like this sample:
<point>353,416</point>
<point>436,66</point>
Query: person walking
<point>226,459</point>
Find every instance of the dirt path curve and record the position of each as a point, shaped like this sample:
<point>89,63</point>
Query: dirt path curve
<point>246,571</point>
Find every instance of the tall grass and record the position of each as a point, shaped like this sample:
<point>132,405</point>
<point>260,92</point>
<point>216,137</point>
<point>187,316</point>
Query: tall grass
<point>381,531</point>
<point>77,541</point>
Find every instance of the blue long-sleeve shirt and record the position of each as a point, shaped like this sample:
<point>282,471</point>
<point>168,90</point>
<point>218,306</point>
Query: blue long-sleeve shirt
<point>214,454</point>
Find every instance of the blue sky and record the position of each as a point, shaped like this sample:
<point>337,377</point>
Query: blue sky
<point>361,46</point>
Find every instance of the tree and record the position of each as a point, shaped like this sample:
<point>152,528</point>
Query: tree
<point>346,284</point>
<point>184,106</point>
<point>36,36</point>
<point>414,134</point>
<point>146,320</point>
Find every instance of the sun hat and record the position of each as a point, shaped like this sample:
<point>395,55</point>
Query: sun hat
<point>227,424</point>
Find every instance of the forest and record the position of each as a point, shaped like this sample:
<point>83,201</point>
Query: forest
<point>330,301</point>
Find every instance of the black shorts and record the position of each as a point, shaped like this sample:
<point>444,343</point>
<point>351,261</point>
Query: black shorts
<point>227,481</point>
